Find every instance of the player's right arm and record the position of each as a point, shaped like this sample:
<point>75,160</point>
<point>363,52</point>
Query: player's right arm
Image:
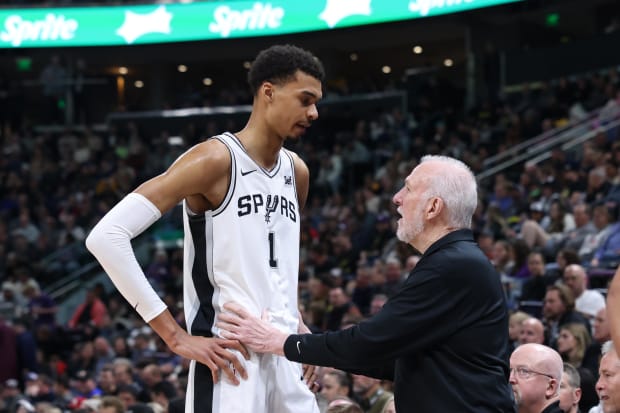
<point>201,176</point>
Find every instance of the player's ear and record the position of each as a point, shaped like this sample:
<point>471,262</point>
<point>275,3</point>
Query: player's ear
<point>267,91</point>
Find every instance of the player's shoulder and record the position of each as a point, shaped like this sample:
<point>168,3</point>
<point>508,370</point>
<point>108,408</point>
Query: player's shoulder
<point>211,148</point>
<point>211,154</point>
<point>297,161</point>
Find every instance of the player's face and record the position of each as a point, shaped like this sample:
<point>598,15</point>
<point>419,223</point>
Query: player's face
<point>292,106</point>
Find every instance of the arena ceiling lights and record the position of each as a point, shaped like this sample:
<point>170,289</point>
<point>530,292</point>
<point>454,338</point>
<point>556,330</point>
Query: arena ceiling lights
<point>142,24</point>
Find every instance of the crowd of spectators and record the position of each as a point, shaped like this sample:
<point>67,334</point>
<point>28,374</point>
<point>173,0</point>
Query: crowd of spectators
<point>547,227</point>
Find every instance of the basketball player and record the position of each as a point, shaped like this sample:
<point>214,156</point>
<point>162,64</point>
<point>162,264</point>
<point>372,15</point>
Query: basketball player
<point>242,194</point>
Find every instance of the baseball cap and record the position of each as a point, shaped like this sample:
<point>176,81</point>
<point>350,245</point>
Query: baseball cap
<point>11,384</point>
<point>31,376</point>
<point>82,375</point>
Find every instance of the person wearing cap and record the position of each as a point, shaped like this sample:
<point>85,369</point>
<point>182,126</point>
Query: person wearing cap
<point>10,394</point>
<point>531,231</point>
<point>85,385</point>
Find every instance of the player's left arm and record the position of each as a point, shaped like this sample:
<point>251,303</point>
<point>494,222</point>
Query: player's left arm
<point>302,179</point>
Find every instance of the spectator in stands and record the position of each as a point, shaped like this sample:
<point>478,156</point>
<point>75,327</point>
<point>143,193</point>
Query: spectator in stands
<point>393,276</point>
<point>377,303</point>
<point>103,353</point>
<point>587,302</point>
<point>607,255</point>
<point>335,383</point>
<point>128,394</point>
<point>372,397</point>
<point>85,385</point>
<point>106,381</point>
<point>340,306</point>
<point>559,221</point>
<point>91,312</point>
<point>574,238</point>
<point>608,384</point>
<point>532,331</point>
<point>558,310</point>
<point>603,222</point>
<point>501,257</point>
<point>535,287</point>
<point>573,340</point>
<point>570,390</point>
<point>162,393</point>
<point>362,289</point>
<point>532,232</point>
<point>343,405</point>
<point>111,404</point>
<point>123,371</point>
<point>82,357</point>
<point>520,253</point>
<point>563,259</point>
<point>41,307</point>
<point>535,376</point>
<point>150,375</point>
<point>515,323</point>
<point>600,334</point>
<point>27,228</point>
<point>9,394</point>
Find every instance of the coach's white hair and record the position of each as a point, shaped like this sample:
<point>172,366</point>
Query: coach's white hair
<point>457,187</point>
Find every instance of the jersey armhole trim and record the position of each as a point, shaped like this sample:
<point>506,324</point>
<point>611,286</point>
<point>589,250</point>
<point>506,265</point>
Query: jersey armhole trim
<point>233,178</point>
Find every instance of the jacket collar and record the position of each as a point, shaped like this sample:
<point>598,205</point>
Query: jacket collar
<point>464,234</point>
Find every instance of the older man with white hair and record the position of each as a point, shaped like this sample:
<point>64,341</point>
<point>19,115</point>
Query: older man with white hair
<point>608,384</point>
<point>535,376</point>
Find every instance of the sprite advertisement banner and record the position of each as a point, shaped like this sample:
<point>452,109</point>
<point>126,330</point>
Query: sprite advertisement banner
<point>142,24</point>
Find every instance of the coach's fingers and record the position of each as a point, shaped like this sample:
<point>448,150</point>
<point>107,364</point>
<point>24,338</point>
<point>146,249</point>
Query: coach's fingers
<point>237,309</point>
<point>309,374</point>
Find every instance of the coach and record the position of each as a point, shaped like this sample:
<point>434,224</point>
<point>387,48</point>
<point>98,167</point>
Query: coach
<point>443,338</point>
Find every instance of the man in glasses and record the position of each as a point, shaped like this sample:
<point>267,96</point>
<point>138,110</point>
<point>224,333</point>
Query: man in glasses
<point>535,376</point>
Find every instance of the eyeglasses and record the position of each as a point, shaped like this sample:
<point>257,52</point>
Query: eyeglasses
<point>525,373</point>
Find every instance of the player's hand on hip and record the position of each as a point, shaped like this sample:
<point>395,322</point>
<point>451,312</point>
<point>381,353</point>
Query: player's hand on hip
<point>215,353</point>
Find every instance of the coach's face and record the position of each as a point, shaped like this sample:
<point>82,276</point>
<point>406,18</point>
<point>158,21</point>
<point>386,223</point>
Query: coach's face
<point>411,201</point>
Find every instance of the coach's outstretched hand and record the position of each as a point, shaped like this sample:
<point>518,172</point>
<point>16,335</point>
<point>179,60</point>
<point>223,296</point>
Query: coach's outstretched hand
<point>257,334</point>
<point>213,352</point>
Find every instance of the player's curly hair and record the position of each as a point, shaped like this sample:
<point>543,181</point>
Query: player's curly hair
<point>278,64</point>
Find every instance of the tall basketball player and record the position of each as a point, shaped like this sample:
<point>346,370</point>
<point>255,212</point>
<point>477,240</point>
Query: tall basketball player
<point>242,194</point>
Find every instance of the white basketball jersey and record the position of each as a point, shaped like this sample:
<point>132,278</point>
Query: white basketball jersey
<point>246,250</point>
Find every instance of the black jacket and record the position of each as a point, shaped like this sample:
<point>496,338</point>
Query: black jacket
<point>442,339</point>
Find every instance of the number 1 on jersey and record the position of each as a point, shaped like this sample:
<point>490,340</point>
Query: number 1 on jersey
<point>273,262</point>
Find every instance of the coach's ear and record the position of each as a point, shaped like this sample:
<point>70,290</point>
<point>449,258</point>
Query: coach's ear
<point>434,208</point>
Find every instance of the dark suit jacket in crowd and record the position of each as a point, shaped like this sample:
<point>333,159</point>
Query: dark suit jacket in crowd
<point>442,339</point>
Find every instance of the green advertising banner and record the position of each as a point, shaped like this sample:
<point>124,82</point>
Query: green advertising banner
<point>141,24</point>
